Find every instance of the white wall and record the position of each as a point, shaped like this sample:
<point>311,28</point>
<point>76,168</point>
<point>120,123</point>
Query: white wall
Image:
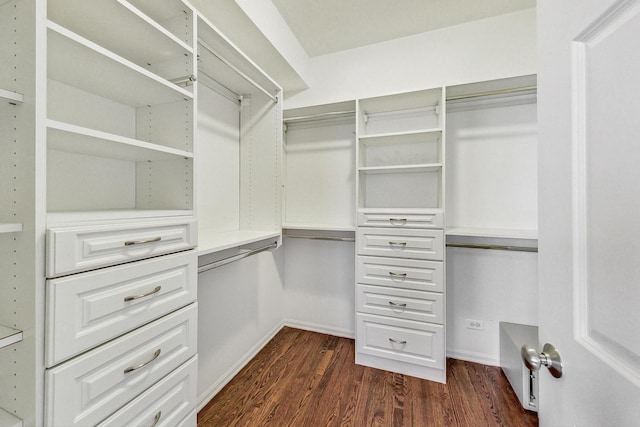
<point>240,307</point>
<point>493,287</point>
<point>319,285</point>
<point>488,49</point>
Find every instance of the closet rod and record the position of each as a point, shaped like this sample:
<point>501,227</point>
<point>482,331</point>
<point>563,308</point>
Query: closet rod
<point>493,92</point>
<point>237,70</point>
<point>224,261</point>
<point>319,115</point>
<point>494,247</point>
<point>332,238</point>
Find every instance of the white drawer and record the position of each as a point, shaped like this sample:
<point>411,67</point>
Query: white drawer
<point>166,404</point>
<point>401,219</point>
<point>87,247</point>
<point>400,303</point>
<point>87,389</point>
<point>397,243</point>
<point>190,420</point>
<point>88,309</point>
<point>401,273</point>
<point>403,340</point>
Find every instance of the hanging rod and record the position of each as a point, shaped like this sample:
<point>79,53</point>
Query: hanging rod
<point>319,115</point>
<point>224,261</point>
<point>493,247</point>
<point>493,92</point>
<point>237,70</point>
<point>332,238</point>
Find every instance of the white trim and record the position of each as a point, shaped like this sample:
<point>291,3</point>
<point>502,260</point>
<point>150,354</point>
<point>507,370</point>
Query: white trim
<point>323,329</point>
<point>472,356</point>
<point>223,380</point>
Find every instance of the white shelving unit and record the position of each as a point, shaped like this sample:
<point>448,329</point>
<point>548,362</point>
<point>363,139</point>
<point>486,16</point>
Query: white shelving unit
<point>119,122</point>
<point>400,316</point>
<point>19,287</point>
<point>239,136</point>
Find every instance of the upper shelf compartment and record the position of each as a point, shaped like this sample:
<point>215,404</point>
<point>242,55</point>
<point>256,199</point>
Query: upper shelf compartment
<point>401,149</point>
<point>220,63</point>
<point>79,62</point>
<point>171,55</point>
<point>401,113</point>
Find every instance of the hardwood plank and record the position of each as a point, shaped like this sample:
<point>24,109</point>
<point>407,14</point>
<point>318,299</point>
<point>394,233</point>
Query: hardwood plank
<point>302,378</point>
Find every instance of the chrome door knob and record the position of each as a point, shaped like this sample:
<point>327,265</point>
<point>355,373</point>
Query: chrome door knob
<point>549,358</point>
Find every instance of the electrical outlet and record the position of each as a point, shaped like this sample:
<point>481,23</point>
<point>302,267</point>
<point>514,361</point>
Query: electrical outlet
<point>474,324</point>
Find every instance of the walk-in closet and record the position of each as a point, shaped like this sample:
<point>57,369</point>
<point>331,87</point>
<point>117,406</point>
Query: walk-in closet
<point>185,185</point>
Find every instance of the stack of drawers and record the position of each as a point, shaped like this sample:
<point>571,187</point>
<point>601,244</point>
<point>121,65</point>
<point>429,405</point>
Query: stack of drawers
<point>400,291</point>
<point>121,324</point>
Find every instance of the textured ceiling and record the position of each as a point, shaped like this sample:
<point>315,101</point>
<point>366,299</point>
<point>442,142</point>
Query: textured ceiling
<point>327,26</point>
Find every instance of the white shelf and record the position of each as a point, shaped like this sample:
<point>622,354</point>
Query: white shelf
<point>402,102</point>
<point>136,31</point>
<point>500,233</point>
<point>81,63</point>
<point>77,139</point>
<point>9,336</point>
<point>215,241</point>
<point>12,97</point>
<point>61,218</point>
<point>9,420</point>
<point>427,167</point>
<point>390,137</point>
<point>10,227</point>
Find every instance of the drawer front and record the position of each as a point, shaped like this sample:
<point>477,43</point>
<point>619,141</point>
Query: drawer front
<point>76,249</point>
<point>400,303</point>
<point>190,420</point>
<point>404,219</point>
<point>88,309</point>
<point>166,404</point>
<point>401,273</point>
<point>417,244</point>
<point>90,387</point>
<point>403,340</point>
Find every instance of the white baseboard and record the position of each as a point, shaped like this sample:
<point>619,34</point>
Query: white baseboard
<point>472,356</point>
<point>211,391</point>
<point>323,329</point>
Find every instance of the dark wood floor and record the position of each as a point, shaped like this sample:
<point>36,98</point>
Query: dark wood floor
<point>307,379</point>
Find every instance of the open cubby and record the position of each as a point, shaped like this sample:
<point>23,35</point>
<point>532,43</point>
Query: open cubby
<point>239,134</point>
<point>119,132</point>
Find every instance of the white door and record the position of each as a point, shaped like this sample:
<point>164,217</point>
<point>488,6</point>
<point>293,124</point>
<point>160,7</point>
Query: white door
<point>589,222</point>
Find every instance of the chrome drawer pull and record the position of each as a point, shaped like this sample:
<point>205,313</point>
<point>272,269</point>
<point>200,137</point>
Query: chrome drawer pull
<point>156,418</point>
<point>403,220</point>
<point>392,243</point>
<point>396,341</point>
<point>132,297</point>
<point>392,274</point>
<point>395,304</point>
<point>140,242</point>
<point>142,365</point>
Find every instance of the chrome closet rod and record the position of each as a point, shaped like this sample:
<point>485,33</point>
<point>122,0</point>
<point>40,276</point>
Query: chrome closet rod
<point>319,115</point>
<point>493,92</point>
<point>332,238</point>
<point>237,70</point>
<point>224,261</point>
<point>494,247</point>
